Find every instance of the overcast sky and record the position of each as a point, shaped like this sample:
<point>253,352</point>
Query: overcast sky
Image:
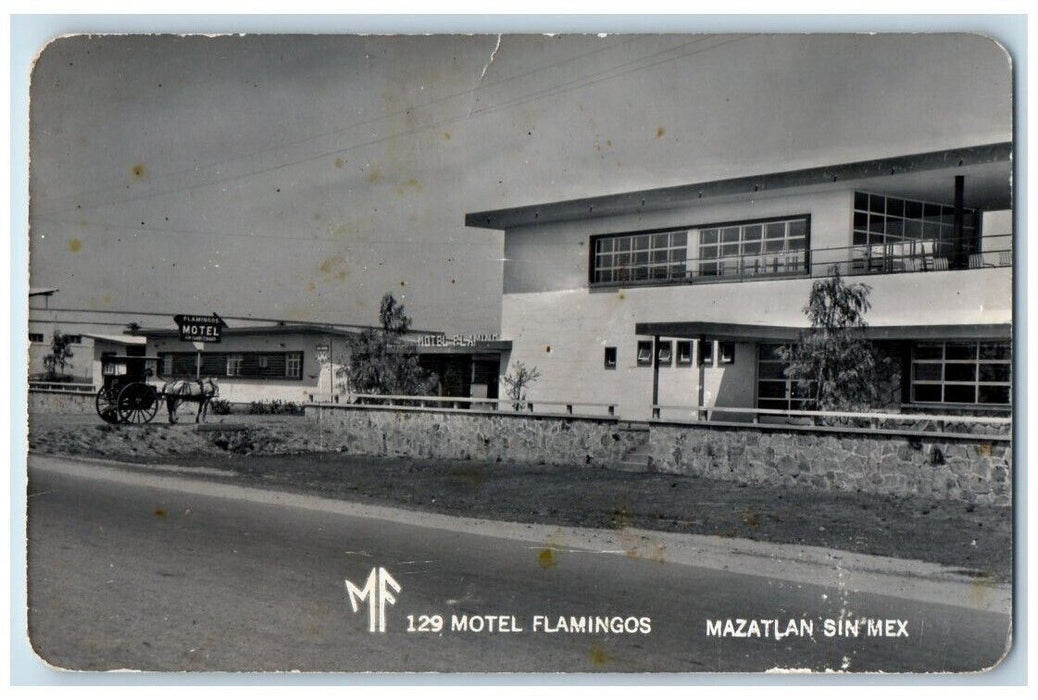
<point>303,177</point>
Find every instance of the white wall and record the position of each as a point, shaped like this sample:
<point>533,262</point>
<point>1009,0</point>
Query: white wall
<point>555,256</point>
<point>577,324</point>
<point>317,378</point>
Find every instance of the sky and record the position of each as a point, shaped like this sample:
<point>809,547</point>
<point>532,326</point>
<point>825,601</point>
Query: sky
<point>302,177</point>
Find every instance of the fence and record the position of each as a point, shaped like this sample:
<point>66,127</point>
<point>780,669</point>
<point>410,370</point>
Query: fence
<point>67,387</point>
<point>993,426</point>
<point>476,405</point>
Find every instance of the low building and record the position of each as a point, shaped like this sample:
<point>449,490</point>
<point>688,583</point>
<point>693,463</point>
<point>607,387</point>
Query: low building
<point>301,362</point>
<point>290,362</point>
<point>679,296</point>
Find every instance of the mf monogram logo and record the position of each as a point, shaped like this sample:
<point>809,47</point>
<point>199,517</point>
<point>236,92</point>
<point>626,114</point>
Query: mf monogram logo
<point>378,590</point>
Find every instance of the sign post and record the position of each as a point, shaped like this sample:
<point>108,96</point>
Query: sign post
<point>199,330</point>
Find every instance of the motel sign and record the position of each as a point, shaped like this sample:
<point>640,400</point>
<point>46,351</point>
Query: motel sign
<point>199,329</point>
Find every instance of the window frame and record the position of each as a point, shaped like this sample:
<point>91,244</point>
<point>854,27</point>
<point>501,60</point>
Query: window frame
<point>644,359</point>
<point>679,360</point>
<point>665,353</point>
<point>976,362</point>
<point>789,401</point>
<point>930,227</point>
<point>607,361</point>
<point>690,230</point>
<point>706,357</point>
<point>723,357</point>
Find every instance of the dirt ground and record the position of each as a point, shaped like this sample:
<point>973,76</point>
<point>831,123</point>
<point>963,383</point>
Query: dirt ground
<point>290,453</point>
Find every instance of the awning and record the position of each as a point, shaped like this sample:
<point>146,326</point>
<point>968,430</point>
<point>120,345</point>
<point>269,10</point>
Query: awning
<point>759,333</point>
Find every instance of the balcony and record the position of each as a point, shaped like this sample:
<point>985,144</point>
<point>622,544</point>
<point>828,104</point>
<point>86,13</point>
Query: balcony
<point>904,256</point>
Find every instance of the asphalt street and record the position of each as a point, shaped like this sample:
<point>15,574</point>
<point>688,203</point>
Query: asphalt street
<point>155,577</point>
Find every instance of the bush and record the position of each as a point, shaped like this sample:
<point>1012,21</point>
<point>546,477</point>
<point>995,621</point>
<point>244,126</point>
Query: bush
<point>274,408</point>
<point>220,407</point>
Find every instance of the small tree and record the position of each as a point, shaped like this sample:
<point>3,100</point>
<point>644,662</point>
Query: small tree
<point>133,327</point>
<point>833,362</point>
<point>517,380</point>
<point>60,355</point>
<point>380,362</point>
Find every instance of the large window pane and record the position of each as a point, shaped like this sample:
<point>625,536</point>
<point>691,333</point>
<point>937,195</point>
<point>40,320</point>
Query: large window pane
<point>961,372</point>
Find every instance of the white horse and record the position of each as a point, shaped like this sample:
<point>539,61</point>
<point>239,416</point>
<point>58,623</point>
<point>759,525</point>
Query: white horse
<point>200,391</point>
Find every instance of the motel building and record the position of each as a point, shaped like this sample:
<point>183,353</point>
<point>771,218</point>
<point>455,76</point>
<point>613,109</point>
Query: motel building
<point>666,301</point>
<point>299,362</point>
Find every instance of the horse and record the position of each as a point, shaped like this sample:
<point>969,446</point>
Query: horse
<point>200,391</point>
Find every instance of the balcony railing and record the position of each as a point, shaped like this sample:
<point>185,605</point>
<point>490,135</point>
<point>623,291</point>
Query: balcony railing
<point>869,259</point>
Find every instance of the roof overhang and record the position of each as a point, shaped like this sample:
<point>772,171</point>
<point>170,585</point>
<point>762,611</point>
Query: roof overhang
<point>925,176</point>
<point>741,332</point>
<point>258,331</point>
<point>117,339</point>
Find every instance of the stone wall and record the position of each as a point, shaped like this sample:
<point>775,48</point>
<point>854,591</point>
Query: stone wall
<point>479,436</point>
<point>965,468</point>
<point>971,469</point>
<point>52,401</point>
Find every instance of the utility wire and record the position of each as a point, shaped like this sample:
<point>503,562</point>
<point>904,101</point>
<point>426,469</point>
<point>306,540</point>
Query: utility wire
<point>348,127</point>
<point>555,91</point>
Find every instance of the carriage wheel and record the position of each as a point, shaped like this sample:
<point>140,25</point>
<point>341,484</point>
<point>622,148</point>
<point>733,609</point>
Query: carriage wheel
<point>107,405</point>
<point>138,403</point>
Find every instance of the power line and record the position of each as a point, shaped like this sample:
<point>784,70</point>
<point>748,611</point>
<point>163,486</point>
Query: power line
<point>169,315</point>
<point>428,127</point>
<point>367,243</point>
<point>348,127</point>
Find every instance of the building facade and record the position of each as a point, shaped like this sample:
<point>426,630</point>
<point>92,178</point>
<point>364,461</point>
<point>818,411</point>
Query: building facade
<point>296,363</point>
<point>680,296</point>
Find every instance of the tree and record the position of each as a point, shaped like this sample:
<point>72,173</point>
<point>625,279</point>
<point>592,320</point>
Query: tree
<point>516,382</point>
<point>133,327</point>
<point>381,362</point>
<point>60,355</point>
<point>833,362</point>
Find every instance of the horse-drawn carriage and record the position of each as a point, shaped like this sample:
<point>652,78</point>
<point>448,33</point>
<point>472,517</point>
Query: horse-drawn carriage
<point>127,396</point>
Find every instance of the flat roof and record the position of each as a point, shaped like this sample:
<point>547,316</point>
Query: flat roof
<point>117,339</point>
<point>752,332</point>
<point>288,329</point>
<point>924,176</point>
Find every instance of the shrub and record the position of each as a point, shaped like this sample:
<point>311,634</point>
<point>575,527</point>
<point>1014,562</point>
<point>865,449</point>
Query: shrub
<point>220,407</point>
<point>275,407</point>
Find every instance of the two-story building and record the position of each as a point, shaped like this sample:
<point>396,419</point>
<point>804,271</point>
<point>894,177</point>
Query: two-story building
<point>680,295</point>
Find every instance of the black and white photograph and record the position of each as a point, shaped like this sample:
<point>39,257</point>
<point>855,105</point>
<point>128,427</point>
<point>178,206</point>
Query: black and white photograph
<point>614,353</point>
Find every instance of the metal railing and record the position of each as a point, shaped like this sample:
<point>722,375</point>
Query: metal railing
<point>1000,425</point>
<point>865,259</point>
<point>68,387</point>
<point>500,405</point>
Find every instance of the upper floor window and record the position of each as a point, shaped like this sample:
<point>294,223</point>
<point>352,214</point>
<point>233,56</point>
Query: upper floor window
<point>642,256</point>
<point>754,248</point>
<point>888,222</point>
<point>36,337</point>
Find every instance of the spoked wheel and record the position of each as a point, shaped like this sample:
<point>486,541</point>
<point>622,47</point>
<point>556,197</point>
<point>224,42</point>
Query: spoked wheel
<point>107,405</point>
<point>137,403</point>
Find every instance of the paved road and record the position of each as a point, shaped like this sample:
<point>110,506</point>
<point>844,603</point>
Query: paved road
<point>153,577</point>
